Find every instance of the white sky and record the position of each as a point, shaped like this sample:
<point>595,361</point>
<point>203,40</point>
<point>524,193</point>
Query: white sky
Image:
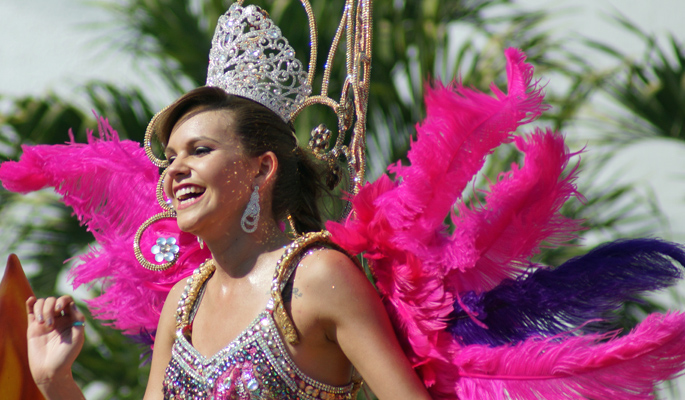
<point>58,45</point>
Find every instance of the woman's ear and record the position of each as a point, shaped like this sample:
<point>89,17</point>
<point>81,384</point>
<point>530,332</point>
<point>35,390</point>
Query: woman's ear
<point>268,166</point>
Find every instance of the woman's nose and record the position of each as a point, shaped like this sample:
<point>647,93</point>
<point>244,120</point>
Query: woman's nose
<point>177,167</point>
<point>177,170</point>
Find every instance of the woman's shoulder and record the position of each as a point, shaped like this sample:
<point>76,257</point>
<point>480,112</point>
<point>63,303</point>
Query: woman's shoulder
<point>328,264</point>
<point>171,303</point>
<point>327,279</point>
<point>316,259</point>
<point>176,290</point>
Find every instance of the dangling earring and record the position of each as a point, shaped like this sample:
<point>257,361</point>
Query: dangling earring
<point>251,215</point>
<point>202,243</point>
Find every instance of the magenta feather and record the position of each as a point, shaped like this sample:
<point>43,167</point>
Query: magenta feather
<point>110,184</point>
<point>421,269</point>
<point>462,127</point>
<point>521,210</point>
<point>400,224</point>
<point>568,367</point>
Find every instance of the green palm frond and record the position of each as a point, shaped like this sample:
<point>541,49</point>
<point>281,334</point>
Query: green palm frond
<point>128,110</point>
<point>651,90</point>
<point>111,361</point>
<point>176,34</point>
<point>30,120</point>
<point>41,231</point>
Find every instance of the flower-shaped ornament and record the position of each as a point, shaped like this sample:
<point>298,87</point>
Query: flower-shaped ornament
<point>165,249</point>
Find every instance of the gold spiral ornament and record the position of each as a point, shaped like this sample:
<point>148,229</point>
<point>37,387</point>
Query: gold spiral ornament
<point>139,234</point>
<point>161,199</point>
<point>147,141</point>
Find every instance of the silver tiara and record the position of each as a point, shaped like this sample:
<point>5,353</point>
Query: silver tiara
<point>251,58</point>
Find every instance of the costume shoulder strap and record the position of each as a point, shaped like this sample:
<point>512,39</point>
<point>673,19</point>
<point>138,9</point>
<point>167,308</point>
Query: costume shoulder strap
<point>191,291</point>
<point>284,268</point>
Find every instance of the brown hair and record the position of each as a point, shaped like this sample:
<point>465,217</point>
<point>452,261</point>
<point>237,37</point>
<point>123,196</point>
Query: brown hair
<point>298,185</point>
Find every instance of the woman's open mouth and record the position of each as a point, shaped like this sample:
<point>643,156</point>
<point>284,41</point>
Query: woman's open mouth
<point>188,195</point>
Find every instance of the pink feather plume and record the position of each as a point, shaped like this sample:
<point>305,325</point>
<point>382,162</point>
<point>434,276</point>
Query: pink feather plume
<point>399,225</point>
<point>110,184</point>
<point>573,367</point>
<point>421,269</point>
<point>462,127</point>
<point>495,239</point>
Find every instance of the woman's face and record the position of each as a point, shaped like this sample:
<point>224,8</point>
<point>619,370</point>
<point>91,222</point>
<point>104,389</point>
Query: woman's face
<point>209,179</point>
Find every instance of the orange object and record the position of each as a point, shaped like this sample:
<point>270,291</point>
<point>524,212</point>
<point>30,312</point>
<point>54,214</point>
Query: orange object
<point>15,377</point>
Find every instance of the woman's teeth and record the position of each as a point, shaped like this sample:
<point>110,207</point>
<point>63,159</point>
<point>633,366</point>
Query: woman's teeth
<point>188,192</point>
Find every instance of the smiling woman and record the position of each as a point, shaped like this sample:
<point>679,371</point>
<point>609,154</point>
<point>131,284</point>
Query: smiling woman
<point>266,312</point>
<point>228,156</point>
<point>233,172</point>
<point>209,176</point>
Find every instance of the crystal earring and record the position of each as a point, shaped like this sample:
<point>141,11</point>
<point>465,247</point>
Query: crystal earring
<point>251,215</point>
<point>202,243</point>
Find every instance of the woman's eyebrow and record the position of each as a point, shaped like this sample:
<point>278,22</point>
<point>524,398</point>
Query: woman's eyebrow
<point>200,138</point>
<point>191,142</point>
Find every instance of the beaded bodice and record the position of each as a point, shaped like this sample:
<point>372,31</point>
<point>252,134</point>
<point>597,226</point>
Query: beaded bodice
<point>256,365</point>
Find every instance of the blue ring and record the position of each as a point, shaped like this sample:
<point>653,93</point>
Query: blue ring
<point>78,323</point>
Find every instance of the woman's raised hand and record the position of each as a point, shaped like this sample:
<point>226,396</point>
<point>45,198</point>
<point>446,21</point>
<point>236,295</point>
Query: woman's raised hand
<point>55,337</point>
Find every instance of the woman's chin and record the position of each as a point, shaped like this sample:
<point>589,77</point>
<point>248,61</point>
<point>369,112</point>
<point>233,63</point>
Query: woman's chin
<point>188,225</point>
<point>200,225</point>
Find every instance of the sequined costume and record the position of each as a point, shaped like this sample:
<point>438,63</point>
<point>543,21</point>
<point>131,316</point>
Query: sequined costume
<point>256,365</point>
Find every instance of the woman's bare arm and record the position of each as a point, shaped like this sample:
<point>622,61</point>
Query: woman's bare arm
<point>355,318</point>
<point>164,340</point>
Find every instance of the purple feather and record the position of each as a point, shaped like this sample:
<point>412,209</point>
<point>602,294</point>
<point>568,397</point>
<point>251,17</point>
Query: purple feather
<point>146,340</point>
<point>549,301</point>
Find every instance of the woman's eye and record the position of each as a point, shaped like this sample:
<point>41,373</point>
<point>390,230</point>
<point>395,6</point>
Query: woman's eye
<point>202,150</point>
<point>171,159</point>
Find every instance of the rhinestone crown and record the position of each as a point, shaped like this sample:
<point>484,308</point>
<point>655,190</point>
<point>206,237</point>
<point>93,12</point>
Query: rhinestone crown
<point>251,58</point>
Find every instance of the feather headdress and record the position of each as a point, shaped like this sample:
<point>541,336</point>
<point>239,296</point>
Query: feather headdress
<point>474,315</point>
<point>110,184</point>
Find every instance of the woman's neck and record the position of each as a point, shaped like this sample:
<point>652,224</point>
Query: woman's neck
<point>238,254</point>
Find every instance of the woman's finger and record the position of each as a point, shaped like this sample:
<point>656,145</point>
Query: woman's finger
<point>38,310</point>
<point>77,315</point>
<point>62,305</point>
<point>29,308</point>
<point>49,311</point>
